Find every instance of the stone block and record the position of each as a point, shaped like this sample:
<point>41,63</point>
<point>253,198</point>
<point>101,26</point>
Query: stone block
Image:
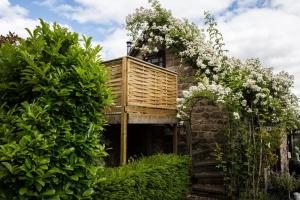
<point>216,115</point>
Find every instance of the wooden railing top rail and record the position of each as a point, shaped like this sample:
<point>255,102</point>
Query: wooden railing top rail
<point>141,61</point>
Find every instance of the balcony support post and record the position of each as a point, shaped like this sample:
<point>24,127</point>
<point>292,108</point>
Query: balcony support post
<point>123,138</point>
<point>124,114</point>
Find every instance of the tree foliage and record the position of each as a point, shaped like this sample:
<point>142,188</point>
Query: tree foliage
<point>52,93</point>
<point>11,38</point>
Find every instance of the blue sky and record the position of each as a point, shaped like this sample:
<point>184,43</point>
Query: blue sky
<point>265,29</point>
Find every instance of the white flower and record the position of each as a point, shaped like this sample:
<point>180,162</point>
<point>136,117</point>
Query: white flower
<point>215,77</point>
<point>179,100</point>
<point>186,93</point>
<point>193,88</point>
<point>236,115</point>
<point>249,110</point>
<point>244,103</point>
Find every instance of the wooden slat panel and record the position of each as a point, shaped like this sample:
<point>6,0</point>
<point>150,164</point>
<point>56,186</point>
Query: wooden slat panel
<point>115,79</point>
<point>150,86</point>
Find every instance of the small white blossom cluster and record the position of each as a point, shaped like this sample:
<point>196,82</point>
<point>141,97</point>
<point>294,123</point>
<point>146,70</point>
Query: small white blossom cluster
<point>236,115</point>
<point>218,91</point>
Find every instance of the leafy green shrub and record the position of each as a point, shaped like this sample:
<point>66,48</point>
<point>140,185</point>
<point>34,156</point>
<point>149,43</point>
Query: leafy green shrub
<point>284,183</point>
<point>259,196</point>
<point>155,177</point>
<point>52,91</point>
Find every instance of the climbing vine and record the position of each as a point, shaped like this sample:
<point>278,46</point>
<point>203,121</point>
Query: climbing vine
<point>259,103</point>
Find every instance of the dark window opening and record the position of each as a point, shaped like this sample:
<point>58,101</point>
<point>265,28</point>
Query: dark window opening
<point>156,59</point>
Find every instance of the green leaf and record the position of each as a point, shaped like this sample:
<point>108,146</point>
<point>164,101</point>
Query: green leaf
<point>93,170</point>
<point>54,170</point>
<point>23,190</point>
<point>42,183</point>
<point>25,140</point>
<point>8,166</point>
<point>88,192</point>
<point>49,192</point>
<point>74,177</point>
<point>56,197</point>
<point>44,161</point>
<point>28,163</point>
<point>38,186</point>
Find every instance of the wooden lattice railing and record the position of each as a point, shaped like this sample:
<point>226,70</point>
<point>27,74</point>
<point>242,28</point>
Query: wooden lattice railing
<point>137,83</point>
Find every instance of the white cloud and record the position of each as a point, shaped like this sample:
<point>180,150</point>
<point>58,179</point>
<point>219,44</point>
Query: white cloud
<point>14,18</point>
<point>194,9</point>
<point>288,6</point>
<point>95,11</point>
<point>115,44</point>
<point>116,10</point>
<point>269,34</point>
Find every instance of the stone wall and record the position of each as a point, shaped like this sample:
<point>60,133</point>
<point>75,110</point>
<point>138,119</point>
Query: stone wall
<point>184,71</point>
<point>207,119</point>
<point>208,123</point>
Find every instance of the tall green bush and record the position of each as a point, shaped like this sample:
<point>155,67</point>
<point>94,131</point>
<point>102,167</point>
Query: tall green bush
<point>159,177</point>
<point>52,93</point>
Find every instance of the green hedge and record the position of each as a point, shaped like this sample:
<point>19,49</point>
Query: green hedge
<point>155,177</point>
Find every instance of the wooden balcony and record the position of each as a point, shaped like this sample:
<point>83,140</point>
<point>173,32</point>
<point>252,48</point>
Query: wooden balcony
<point>144,91</point>
<point>143,94</point>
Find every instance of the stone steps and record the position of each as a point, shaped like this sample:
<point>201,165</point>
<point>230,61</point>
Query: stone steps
<point>207,190</point>
<point>215,178</point>
<point>204,154</point>
<point>208,166</point>
<point>207,179</point>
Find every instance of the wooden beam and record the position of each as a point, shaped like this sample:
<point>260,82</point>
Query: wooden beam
<point>175,139</point>
<point>138,118</point>
<point>123,149</point>
<point>124,115</point>
<point>140,109</point>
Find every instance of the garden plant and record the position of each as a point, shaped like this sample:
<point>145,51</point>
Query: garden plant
<point>52,93</point>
